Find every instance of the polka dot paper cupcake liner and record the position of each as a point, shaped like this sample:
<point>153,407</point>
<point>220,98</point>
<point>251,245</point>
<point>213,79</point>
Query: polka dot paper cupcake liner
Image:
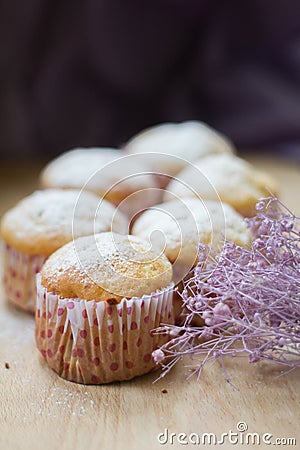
<point>19,277</point>
<point>94,342</point>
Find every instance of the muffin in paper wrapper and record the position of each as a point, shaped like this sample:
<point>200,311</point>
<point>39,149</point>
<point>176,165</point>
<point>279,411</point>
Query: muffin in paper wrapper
<point>135,203</point>
<point>93,342</point>
<point>19,276</point>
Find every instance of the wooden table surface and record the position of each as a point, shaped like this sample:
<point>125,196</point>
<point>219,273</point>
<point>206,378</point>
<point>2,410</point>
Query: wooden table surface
<point>38,410</point>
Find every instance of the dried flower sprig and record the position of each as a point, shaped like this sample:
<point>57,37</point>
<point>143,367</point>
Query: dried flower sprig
<point>248,299</point>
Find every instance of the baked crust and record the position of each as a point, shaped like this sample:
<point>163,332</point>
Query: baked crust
<point>184,223</point>
<point>185,142</point>
<point>225,177</point>
<point>106,267</point>
<point>105,171</point>
<point>44,221</point>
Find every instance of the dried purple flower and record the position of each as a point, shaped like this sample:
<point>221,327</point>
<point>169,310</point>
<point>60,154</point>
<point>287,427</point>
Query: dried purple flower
<point>247,298</point>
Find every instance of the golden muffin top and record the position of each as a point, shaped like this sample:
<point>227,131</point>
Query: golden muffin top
<point>174,144</point>
<point>45,220</point>
<point>226,177</point>
<point>106,267</point>
<point>106,171</point>
<point>179,226</point>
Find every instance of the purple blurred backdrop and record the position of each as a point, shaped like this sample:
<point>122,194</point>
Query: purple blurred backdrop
<point>94,72</point>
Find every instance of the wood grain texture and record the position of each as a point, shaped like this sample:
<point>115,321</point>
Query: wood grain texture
<point>40,410</point>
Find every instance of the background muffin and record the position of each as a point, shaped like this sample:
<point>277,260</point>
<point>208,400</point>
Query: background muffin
<point>181,142</point>
<point>225,177</point>
<point>124,181</point>
<point>98,301</point>
<point>40,224</point>
<point>179,226</point>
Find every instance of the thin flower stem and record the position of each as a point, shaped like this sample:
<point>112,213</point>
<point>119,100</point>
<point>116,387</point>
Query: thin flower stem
<point>248,298</point>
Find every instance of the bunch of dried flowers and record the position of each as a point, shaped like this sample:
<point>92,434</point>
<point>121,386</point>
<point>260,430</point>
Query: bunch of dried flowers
<point>248,299</point>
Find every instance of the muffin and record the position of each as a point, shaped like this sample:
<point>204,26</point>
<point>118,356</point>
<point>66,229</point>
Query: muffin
<point>175,144</point>
<point>125,181</point>
<point>225,177</point>
<point>40,224</point>
<point>179,226</point>
<point>98,301</point>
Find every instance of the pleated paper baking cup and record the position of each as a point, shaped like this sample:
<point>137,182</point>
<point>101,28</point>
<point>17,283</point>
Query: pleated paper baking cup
<point>94,342</point>
<point>19,277</point>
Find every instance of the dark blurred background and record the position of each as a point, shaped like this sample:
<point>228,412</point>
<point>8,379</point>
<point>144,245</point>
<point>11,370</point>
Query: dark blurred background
<point>94,72</point>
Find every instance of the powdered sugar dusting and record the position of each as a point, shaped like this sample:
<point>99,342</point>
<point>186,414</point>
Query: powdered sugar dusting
<point>189,140</point>
<point>99,170</point>
<point>42,222</point>
<point>187,222</point>
<point>106,266</point>
<point>73,168</point>
<point>232,179</point>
